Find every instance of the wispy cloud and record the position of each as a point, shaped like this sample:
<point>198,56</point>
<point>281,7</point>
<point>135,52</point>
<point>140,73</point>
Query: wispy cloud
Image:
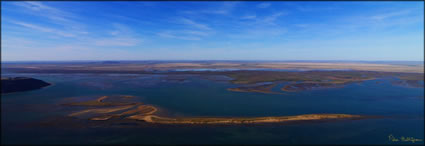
<point>383,16</point>
<point>194,24</point>
<point>259,32</point>
<point>121,35</point>
<point>198,33</point>
<point>316,8</point>
<point>53,15</point>
<point>69,29</point>
<point>265,20</point>
<point>120,29</point>
<point>44,29</point>
<point>264,5</point>
<point>168,34</point>
<point>225,8</point>
<point>42,10</point>
<point>194,30</point>
<point>126,18</point>
<point>375,21</point>
<point>302,25</point>
<point>272,18</point>
<point>254,27</point>
<point>16,42</point>
<point>117,41</point>
<point>249,17</point>
<point>184,34</point>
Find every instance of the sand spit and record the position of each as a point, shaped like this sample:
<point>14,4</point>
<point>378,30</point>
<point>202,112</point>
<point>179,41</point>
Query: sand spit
<point>139,111</point>
<point>248,120</point>
<point>146,113</point>
<point>101,110</point>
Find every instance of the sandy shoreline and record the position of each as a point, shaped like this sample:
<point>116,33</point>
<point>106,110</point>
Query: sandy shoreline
<point>147,113</point>
<point>240,120</point>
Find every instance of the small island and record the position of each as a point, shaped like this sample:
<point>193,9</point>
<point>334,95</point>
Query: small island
<point>19,84</point>
<point>242,120</point>
<point>100,110</point>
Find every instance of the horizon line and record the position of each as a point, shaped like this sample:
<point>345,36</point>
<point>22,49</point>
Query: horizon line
<point>208,60</point>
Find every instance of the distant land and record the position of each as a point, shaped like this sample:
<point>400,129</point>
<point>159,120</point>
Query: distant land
<point>234,61</point>
<point>251,76</point>
<point>143,66</point>
<point>19,84</point>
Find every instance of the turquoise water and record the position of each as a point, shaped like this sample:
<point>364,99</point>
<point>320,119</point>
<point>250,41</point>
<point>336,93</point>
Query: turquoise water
<point>401,108</point>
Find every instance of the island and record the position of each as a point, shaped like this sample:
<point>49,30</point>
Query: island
<point>19,84</point>
<point>99,110</point>
<point>242,120</point>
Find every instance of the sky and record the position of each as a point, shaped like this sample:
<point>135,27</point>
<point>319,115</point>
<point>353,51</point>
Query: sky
<point>234,30</point>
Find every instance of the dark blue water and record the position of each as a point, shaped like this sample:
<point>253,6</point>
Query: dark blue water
<point>400,106</point>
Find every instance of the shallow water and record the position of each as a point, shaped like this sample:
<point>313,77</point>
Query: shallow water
<point>192,95</point>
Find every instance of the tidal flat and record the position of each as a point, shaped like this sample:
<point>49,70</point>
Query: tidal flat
<point>146,113</point>
<point>242,106</point>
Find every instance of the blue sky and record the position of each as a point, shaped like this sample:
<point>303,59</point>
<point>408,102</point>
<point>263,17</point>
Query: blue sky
<point>212,31</point>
